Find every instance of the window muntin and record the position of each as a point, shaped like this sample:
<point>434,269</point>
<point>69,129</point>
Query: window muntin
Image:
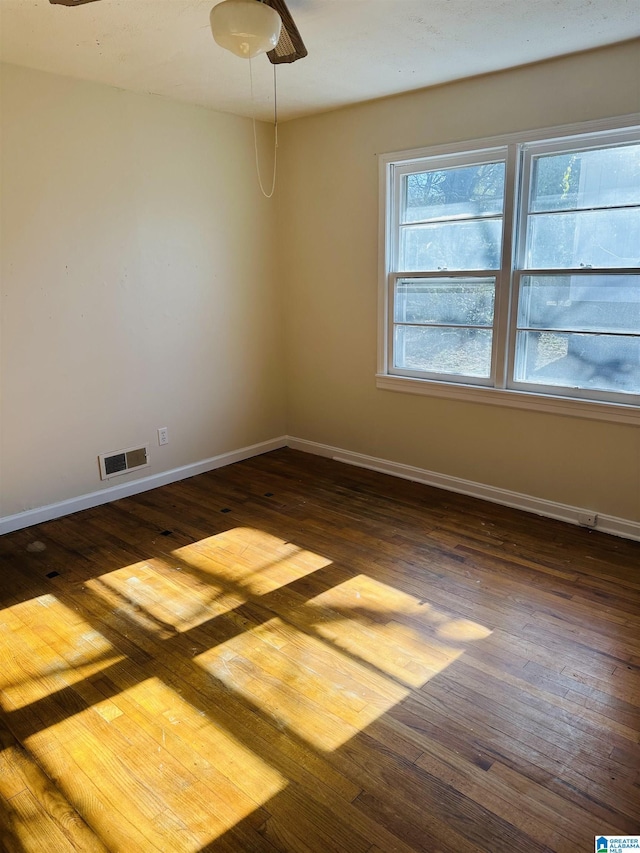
<point>572,290</point>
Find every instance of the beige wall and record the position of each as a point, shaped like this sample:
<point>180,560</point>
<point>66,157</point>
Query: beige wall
<point>137,286</point>
<point>328,221</point>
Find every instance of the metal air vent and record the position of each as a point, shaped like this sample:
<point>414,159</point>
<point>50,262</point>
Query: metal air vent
<point>122,461</point>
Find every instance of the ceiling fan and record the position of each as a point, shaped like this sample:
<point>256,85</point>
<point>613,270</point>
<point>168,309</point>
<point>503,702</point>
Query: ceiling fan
<point>289,47</point>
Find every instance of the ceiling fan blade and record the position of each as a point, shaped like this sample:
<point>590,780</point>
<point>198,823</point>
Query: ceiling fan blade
<point>70,2</point>
<point>290,45</point>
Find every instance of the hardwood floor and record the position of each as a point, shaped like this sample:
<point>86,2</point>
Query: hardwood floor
<point>290,654</point>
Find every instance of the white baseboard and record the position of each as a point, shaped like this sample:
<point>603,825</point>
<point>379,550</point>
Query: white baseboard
<point>550,509</point>
<point>113,493</point>
<point>605,523</point>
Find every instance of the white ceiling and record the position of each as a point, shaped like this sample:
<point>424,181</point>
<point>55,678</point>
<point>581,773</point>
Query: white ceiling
<point>358,49</point>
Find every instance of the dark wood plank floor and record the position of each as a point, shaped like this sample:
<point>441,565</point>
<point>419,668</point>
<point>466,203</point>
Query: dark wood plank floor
<point>290,654</point>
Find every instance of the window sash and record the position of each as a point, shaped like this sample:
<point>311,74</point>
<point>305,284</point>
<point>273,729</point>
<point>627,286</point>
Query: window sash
<point>517,152</point>
<point>528,153</point>
<point>393,325</point>
<point>397,173</point>
<point>559,389</point>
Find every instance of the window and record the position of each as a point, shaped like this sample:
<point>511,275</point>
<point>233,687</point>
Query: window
<point>515,267</point>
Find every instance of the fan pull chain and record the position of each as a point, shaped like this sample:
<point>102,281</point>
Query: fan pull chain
<point>275,128</point>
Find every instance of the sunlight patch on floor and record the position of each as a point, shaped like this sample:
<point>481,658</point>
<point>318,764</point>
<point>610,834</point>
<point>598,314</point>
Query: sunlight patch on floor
<point>46,647</point>
<point>156,736</point>
<point>201,581</point>
<point>345,662</point>
<point>304,685</point>
<point>250,561</point>
<point>154,602</point>
<point>320,669</point>
<point>353,616</point>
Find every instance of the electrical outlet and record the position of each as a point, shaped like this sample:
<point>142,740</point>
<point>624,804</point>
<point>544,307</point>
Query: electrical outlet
<point>163,436</point>
<point>587,519</point>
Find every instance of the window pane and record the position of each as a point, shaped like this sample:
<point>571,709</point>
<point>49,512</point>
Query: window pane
<point>473,245</point>
<point>580,179</point>
<point>450,301</point>
<point>453,193</point>
<point>465,352</point>
<point>598,362</point>
<point>594,238</point>
<point>589,303</point>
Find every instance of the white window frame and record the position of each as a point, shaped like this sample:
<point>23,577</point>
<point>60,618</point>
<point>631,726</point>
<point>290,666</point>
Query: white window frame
<point>499,389</point>
<point>473,158</point>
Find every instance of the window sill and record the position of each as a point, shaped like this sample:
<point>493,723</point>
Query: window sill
<point>612,412</point>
